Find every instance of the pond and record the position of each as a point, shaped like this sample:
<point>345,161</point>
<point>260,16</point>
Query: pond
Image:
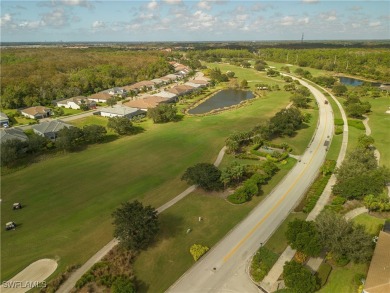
<point>355,82</point>
<point>224,98</point>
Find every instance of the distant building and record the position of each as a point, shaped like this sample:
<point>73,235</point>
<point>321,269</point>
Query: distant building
<point>100,97</point>
<point>12,133</point>
<point>121,111</point>
<point>37,112</point>
<point>4,120</point>
<point>50,129</point>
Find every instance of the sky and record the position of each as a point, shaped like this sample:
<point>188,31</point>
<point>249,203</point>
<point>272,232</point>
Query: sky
<point>197,20</point>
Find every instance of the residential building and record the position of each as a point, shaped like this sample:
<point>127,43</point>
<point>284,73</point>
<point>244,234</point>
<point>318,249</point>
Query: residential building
<point>76,102</point>
<point>100,97</point>
<point>121,111</point>
<point>12,133</point>
<point>180,90</point>
<point>146,103</point>
<point>50,129</point>
<point>378,277</point>
<point>166,94</point>
<point>4,120</point>
<point>145,85</point>
<point>37,112</point>
<point>117,91</point>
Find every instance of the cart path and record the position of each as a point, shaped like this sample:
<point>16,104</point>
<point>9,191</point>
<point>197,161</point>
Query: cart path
<point>68,285</point>
<point>35,273</point>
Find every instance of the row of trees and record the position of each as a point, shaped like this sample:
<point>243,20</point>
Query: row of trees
<point>341,239</point>
<point>31,76</point>
<point>370,63</point>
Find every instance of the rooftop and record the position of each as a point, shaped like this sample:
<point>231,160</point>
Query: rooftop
<point>12,133</point>
<point>120,110</point>
<point>36,110</point>
<point>50,126</point>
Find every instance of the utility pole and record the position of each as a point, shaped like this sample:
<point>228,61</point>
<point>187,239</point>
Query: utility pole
<point>302,38</point>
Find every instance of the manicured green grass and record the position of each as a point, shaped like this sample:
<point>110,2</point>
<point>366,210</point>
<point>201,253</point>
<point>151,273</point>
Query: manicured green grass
<point>356,123</point>
<point>342,279</point>
<point>68,112</point>
<point>17,120</point>
<point>171,252</point>
<point>380,124</point>
<point>372,224</point>
<point>251,75</point>
<point>69,199</point>
<point>323,272</point>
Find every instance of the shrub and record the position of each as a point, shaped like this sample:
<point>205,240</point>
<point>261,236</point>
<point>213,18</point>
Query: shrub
<point>357,124</point>
<point>198,250</point>
<point>324,272</point>
<point>299,278</point>
<point>262,262</point>
<point>123,284</point>
<point>338,130</point>
<point>338,121</point>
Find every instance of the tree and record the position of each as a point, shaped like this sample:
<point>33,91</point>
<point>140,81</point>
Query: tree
<point>111,102</point>
<point>259,67</point>
<point>233,173</point>
<point>286,122</point>
<point>121,125</point>
<point>342,238</point>
<point>272,72</point>
<point>163,113</point>
<point>245,64</point>
<point>303,236</point>
<point>339,89</point>
<point>123,284</point>
<point>36,143</point>
<point>198,250</point>
<point>379,203</point>
<point>230,74</point>
<point>244,83</point>
<point>94,133</point>
<point>11,150</point>
<point>136,226</point>
<point>206,175</point>
<point>300,100</point>
<point>299,279</point>
<point>365,141</point>
<point>69,138</point>
<point>359,175</point>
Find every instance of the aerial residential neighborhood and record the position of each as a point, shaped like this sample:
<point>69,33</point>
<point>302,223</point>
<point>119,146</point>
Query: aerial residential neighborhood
<point>195,146</point>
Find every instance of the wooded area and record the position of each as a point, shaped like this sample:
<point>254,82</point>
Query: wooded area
<point>38,76</point>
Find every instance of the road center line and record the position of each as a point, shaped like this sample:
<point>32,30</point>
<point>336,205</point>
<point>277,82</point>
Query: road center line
<point>242,241</point>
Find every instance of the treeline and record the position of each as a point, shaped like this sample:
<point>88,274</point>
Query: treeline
<point>216,55</point>
<point>38,76</point>
<point>369,63</point>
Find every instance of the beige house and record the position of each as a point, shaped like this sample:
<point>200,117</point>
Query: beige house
<point>76,102</point>
<point>37,112</point>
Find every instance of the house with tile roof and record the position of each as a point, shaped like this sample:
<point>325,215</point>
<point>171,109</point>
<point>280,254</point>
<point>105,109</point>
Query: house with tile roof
<point>101,97</point>
<point>50,129</point>
<point>180,90</point>
<point>37,112</point>
<point>12,133</point>
<point>146,102</point>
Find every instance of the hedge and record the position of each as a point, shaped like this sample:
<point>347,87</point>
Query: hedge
<point>262,263</point>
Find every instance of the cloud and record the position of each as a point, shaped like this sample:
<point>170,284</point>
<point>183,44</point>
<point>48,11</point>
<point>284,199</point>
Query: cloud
<point>4,20</point>
<point>204,4</point>
<point>173,1</point>
<point>32,24</point>
<point>82,3</point>
<point>374,24</point>
<point>287,20</point>
<point>152,5</point>
<point>329,16</point>
<point>304,20</point>
<point>56,18</point>
<point>201,20</point>
<point>98,24</point>
<point>310,1</point>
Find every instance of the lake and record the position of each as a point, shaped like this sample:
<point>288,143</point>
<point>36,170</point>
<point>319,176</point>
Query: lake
<point>224,98</point>
<point>355,82</point>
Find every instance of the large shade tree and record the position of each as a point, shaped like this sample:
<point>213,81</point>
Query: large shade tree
<point>136,226</point>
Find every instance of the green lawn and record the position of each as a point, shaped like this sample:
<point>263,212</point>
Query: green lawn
<point>17,120</point>
<point>380,124</point>
<point>372,224</point>
<point>342,279</point>
<point>171,252</point>
<point>69,199</point>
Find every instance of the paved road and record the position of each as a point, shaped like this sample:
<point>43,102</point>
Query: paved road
<point>220,268</point>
